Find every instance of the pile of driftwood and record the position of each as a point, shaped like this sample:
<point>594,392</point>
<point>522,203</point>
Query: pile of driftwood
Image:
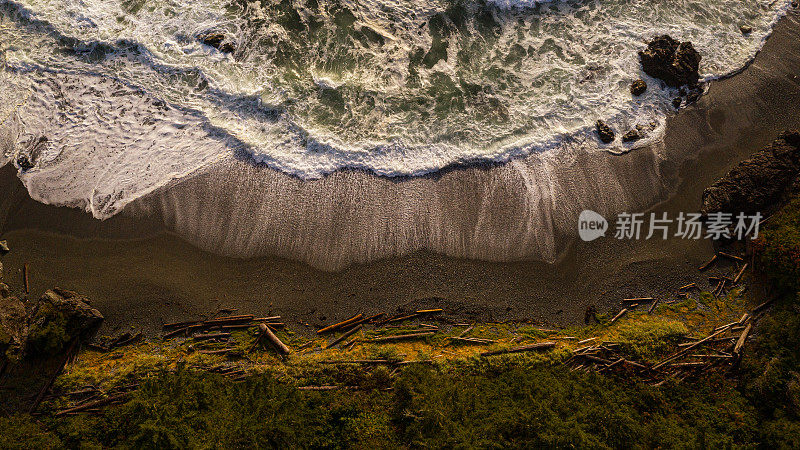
<point>722,348</point>
<point>720,284</point>
<point>218,328</point>
<point>348,328</point>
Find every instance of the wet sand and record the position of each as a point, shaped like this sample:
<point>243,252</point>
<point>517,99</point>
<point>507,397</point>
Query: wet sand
<point>137,274</point>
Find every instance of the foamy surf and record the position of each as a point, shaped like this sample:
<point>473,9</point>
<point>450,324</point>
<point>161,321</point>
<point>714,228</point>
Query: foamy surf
<point>112,100</point>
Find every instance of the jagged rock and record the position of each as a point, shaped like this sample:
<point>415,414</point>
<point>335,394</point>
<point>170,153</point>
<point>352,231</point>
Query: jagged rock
<point>13,328</point>
<point>638,87</point>
<point>676,63</point>
<point>761,183</point>
<point>605,132</point>
<point>59,317</point>
<point>217,40</point>
<point>694,95</point>
<point>24,163</point>
<point>632,135</point>
<point>4,291</point>
<point>745,29</point>
<point>4,248</point>
<point>676,102</point>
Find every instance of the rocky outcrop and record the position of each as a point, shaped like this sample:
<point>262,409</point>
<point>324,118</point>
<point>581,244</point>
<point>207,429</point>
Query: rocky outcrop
<point>759,184</point>
<point>676,63</point>
<point>58,317</point>
<point>218,40</point>
<point>13,328</point>
<point>638,87</point>
<point>604,132</point>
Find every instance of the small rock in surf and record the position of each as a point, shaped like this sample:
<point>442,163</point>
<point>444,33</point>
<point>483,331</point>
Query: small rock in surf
<point>638,87</point>
<point>605,132</point>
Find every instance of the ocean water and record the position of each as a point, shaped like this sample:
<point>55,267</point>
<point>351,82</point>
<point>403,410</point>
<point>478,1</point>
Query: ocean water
<point>113,99</point>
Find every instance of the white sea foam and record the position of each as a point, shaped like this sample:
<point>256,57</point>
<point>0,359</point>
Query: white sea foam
<point>128,99</point>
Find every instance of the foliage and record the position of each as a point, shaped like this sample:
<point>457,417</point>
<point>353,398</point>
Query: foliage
<point>779,247</point>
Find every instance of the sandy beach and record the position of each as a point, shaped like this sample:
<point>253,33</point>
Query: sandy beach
<point>463,239</point>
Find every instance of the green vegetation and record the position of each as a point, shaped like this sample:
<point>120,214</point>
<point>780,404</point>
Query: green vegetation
<point>465,401</point>
<point>779,247</point>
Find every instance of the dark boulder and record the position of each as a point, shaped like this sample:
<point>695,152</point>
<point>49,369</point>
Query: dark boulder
<point>676,102</point>
<point>218,40</point>
<point>59,317</point>
<point>4,248</point>
<point>638,87</point>
<point>759,184</point>
<point>745,29</point>
<point>605,132</point>
<point>676,63</point>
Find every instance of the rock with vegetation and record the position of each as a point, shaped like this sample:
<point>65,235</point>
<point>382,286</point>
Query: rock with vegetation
<point>762,183</point>
<point>13,328</point>
<point>638,87</point>
<point>59,317</point>
<point>676,63</point>
<point>605,132</point>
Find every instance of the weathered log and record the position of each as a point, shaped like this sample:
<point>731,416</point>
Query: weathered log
<point>181,324</point>
<point>267,332</point>
<point>318,388</point>
<point>359,361</point>
<point>522,348</point>
<point>344,323</point>
<point>267,319</point>
<point>763,306</point>
<point>689,364</point>
<point>729,256</point>
<point>464,333</point>
<point>696,344</point>
<point>638,300</point>
<point>739,275</point>
<point>596,359</point>
<point>372,318</point>
<point>401,318</point>
<point>207,336</point>
<point>73,346</point>
<point>130,340</point>
<point>343,337</point>
<point>472,340</point>
<point>708,264</point>
<point>688,286</point>
<point>653,306</point>
<point>399,337</point>
<point>25,278</point>
<point>228,320</point>
<point>619,315</point>
<point>737,349</point>
<point>429,311</point>
<point>712,356</point>
<point>91,405</point>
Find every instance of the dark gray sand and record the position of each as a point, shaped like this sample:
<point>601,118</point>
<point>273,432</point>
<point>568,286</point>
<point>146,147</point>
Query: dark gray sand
<point>158,278</point>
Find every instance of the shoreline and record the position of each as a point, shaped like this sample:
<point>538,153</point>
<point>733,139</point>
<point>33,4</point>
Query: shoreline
<point>150,273</point>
